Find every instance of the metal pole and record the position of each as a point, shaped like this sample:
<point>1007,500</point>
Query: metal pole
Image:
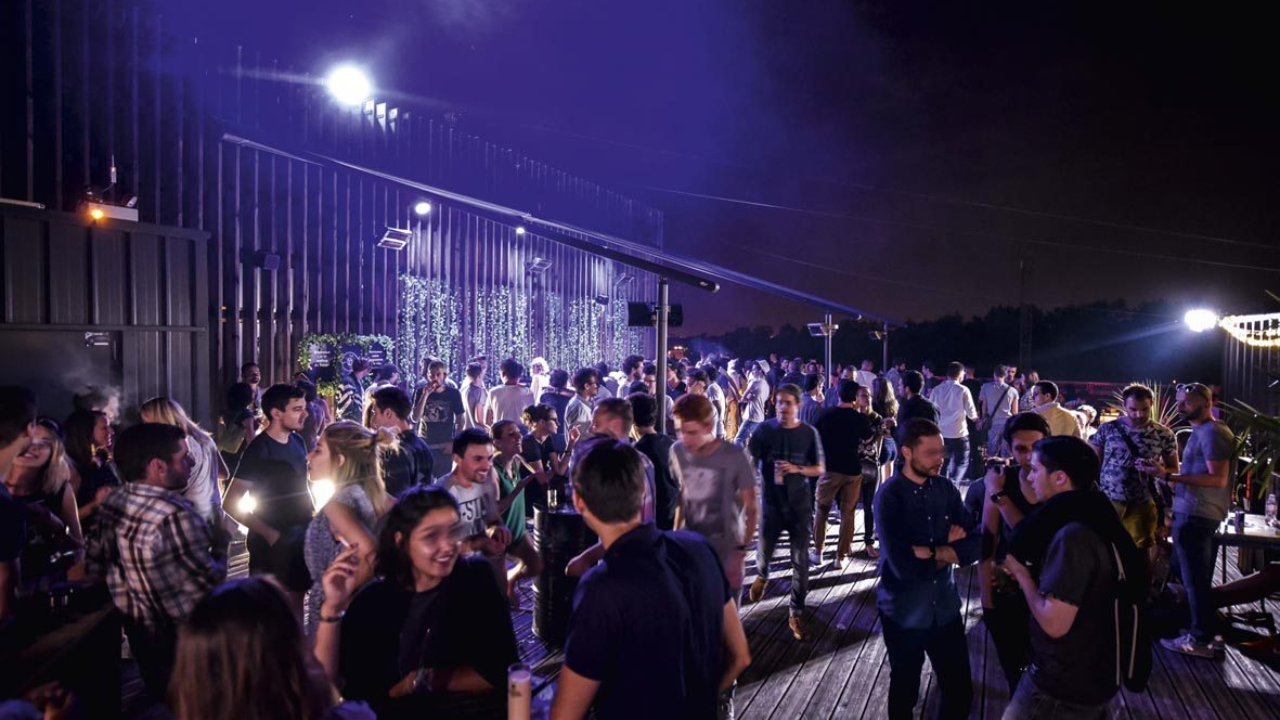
<point>826,341</point>
<point>884,338</point>
<point>660,388</point>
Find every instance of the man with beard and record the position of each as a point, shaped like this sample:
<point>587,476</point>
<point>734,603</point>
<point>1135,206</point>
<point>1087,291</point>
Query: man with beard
<point>1201,498</point>
<point>158,556</point>
<point>925,532</point>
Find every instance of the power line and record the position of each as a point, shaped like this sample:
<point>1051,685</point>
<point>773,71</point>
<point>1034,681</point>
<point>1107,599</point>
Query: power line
<point>918,195</point>
<point>951,231</point>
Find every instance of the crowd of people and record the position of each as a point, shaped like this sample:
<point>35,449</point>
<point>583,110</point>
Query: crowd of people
<point>388,535</point>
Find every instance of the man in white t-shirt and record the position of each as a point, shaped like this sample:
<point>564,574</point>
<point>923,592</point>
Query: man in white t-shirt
<point>955,407</point>
<point>753,400</point>
<point>474,485</point>
<point>508,400</point>
<point>866,375</point>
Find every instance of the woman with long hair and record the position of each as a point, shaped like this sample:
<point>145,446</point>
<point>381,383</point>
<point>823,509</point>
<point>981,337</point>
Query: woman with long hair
<point>544,449</point>
<point>202,489</point>
<point>349,457</point>
<point>40,482</point>
<point>434,625</point>
<point>242,656</point>
<point>88,441</point>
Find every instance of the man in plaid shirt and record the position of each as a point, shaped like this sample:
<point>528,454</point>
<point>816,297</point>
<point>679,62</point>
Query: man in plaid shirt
<point>156,553</point>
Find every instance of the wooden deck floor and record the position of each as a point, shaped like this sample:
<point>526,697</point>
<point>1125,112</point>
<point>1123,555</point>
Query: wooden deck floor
<point>842,670</point>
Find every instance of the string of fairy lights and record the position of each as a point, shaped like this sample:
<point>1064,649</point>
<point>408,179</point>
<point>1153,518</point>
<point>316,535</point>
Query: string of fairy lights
<point>430,325</point>
<point>1260,331</point>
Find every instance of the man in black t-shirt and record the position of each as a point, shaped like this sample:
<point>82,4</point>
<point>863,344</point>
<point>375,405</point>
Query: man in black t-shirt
<point>270,495</point>
<point>411,463</point>
<point>1071,545</point>
<point>788,453</point>
<point>998,500</point>
<point>441,413</point>
<point>656,447</point>
<point>914,405</point>
<point>843,430</point>
<point>654,631</point>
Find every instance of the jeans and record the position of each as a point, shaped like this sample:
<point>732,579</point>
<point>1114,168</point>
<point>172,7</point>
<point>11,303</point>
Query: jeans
<point>744,432</point>
<point>957,463</point>
<point>1194,543</point>
<point>1029,703</point>
<point>1010,633</point>
<point>797,527</point>
<point>870,481</point>
<point>949,653</point>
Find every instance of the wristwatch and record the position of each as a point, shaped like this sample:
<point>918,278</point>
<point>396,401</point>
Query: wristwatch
<point>997,497</point>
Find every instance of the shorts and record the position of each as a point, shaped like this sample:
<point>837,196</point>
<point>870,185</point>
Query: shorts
<point>832,484</point>
<point>1141,519</point>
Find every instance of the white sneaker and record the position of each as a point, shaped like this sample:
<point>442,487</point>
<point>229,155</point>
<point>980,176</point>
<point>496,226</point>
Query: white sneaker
<point>815,559</point>
<point>1188,645</point>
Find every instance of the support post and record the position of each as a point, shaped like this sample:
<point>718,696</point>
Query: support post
<point>660,356</point>
<point>884,363</point>
<point>826,343</point>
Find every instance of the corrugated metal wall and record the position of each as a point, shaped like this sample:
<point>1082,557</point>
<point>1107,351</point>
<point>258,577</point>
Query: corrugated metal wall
<point>140,288</point>
<point>86,80</point>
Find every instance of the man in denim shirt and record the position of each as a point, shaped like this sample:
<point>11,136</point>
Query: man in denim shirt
<point>925,531</point>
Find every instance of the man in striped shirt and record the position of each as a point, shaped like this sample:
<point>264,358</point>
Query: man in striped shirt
<point>157,554</point>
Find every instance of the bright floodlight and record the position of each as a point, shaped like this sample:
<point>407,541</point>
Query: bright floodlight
<point>348,85</point>
<point>422,208</point>
<point>1201,320</point>
<point>520,230</point>
<point>321,491</point>
<point>247,504</point>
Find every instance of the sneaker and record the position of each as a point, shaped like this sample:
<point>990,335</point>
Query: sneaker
<point>1188,645</point>
<point>757,589</point>
<point>815,558</point>
<point>844,561</point>
<point>796,623</point>
<point>873,552</point>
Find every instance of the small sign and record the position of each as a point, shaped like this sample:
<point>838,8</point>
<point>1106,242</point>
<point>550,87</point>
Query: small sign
<point>348,355</point>
<point>377,357</point>
<point>321,356</point>
<point>97,339</point>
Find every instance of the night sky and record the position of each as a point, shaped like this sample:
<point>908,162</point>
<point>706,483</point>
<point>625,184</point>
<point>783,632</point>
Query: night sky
<point>929,144</point>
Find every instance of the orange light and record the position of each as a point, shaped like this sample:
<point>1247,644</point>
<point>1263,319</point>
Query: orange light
<point>97,214</point>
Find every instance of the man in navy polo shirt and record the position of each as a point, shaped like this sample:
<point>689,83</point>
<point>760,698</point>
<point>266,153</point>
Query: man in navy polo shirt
<point>654,630</point>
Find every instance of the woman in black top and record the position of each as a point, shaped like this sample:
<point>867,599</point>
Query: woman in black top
<point>433,629</point>
<point>89,435</point>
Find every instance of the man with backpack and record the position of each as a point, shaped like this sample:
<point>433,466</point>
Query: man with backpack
<point>1084,581</point>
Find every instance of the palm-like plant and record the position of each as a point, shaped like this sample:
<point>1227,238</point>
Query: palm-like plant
<point>1164,408</point>
<point>1258,437</point>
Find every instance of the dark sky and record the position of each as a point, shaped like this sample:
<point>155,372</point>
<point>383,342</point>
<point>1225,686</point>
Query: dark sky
<point>939,142</point>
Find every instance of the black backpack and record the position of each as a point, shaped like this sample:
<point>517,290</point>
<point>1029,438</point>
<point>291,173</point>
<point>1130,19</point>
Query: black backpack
<point>1133,636</point>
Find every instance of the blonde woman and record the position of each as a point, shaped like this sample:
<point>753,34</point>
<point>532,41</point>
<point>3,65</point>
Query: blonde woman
<point>202,488</point>
<point>40,482</point>
<point>349,456</point>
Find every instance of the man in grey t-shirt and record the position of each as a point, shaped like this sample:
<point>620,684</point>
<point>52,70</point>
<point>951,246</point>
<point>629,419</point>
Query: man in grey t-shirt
<point>1202,493</point>
<point>474,485</point>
